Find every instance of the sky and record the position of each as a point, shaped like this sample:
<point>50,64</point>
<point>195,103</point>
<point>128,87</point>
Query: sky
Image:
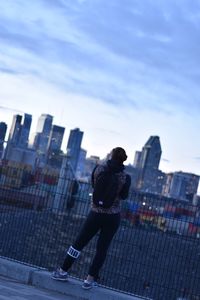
<point>121,71</point>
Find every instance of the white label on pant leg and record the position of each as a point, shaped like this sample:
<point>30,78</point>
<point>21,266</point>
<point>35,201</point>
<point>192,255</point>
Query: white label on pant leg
<point>73,252</point>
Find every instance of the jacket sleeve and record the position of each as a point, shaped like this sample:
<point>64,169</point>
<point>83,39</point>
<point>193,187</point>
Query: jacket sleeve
<point>125,189</point>
<point>92,176</point>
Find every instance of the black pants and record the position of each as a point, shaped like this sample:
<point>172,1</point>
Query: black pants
<point>107,224</point>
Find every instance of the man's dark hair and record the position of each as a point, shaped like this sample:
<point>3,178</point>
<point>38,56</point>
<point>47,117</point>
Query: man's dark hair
<point>118,154</point>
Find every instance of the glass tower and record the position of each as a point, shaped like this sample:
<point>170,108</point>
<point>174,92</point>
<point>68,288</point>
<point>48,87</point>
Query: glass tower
<point>74,147</point>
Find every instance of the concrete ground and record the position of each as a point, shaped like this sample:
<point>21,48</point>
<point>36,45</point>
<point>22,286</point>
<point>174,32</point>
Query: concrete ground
<point>13,289</point>
<point>22,282</point>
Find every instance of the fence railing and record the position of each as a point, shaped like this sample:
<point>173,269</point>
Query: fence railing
<point>155,253</point>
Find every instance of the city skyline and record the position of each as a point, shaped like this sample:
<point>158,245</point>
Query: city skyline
<point>118,73</point>
<point>31,137</point>
<point>45,152</point>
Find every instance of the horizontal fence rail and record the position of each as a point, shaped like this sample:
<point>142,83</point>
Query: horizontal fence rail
<point>155,253</point>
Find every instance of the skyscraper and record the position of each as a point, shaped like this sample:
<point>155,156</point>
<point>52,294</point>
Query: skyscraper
<point>15,130</point>
<point>16,149</point>
<point>148,164</point>
<point>54,146</point>
<point>81,163</point>
<point>137,159</point>
<point>44,124</point>
<point>3,129</point>
<point>25,131</point>
<point>19,133</point>
<point>74,147</point>
<point>151,153</point>
<point>14,135</point>
<point>55,138</point>
<point>42,133</point>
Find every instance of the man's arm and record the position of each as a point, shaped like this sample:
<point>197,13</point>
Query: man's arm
<point>125,189</point>
<point>92,176</point>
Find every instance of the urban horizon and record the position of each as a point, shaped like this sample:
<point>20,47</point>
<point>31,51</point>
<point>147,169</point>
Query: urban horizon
<point>120,71</point>
<point>30,144</point>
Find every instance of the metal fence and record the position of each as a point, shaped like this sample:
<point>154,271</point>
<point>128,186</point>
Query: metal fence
<point>155,253</point>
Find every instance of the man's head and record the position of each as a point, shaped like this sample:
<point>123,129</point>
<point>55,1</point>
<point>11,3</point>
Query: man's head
<point>118,154</point>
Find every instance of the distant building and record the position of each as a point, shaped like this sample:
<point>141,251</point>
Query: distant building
<point>18,137</point>
<point>55,138</point>
<point>3,129</point>
<point>23,156</point>
<point>80,170</point>
<point>167,185</point>
<point>181,185</point>
<point>147,164</point>
<point>43,130</point>
<point>54,146</point>
<point>15,130</point>
<point>42,135</point>
<point>137,159</point>
<point>25,131</point>
<point>44,124</point>
<point>151,154</point>
<point>196,200</point>
<point>74,147</point>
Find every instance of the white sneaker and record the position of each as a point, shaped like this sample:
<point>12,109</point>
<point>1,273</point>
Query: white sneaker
<point>87,285</point>
<point>60,275</point>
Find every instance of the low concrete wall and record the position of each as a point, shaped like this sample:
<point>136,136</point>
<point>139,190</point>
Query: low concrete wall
<point>72,288</point>
<point>21,272</point>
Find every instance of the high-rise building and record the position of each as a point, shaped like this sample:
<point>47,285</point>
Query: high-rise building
<point>54,146</point>
<point>19,133</point>
<point>81,163</point>
<point>148,163</point>
<point>15,130</point>
<point>44,124</point>
<point>42,135</point>
<point>151,153</point>
<point>14,135</point>
<point>17,149</point>
<point>137,159</point>
<point>3,129</point>
<point>25,131</point>
<point>181,185</point>
<point>74,147</point>
<point>55,138</point>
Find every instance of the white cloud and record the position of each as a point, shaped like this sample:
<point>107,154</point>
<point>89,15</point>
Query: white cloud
<point>120,71</point>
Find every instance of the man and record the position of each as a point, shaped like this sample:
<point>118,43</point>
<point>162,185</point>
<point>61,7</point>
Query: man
<point>111,185</point>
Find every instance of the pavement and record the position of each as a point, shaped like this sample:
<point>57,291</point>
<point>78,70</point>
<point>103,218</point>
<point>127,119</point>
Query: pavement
<point>13,289</point>
<point>19,281</point>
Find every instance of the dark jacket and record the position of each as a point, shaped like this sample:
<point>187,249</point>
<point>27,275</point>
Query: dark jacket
<point>124,183</point>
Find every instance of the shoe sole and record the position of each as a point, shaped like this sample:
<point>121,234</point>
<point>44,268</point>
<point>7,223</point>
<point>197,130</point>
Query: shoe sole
<point>87,288</point>
<point>59,279</point>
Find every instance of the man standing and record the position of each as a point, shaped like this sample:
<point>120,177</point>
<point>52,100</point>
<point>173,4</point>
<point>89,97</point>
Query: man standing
<point>110,185</point>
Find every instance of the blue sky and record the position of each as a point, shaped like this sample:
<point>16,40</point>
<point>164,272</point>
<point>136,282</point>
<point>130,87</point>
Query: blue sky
<point>119,70</point>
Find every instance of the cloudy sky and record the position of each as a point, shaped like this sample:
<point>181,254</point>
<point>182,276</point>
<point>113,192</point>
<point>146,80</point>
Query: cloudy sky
<point>120,70</point>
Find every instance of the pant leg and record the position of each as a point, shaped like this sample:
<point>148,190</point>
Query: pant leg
<point>89,229</point>
<point>109,226</point>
